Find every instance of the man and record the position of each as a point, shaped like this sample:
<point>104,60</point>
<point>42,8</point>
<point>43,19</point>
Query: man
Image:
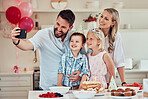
<point>52,43</point>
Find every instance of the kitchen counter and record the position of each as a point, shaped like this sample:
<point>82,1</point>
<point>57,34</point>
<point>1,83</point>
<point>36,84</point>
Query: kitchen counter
<point>69,95</point>
<point>15,85</point>
<point>136,70</point>
<point>20,73</point>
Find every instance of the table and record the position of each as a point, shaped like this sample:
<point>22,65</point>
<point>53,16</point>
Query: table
<point>69,95</point>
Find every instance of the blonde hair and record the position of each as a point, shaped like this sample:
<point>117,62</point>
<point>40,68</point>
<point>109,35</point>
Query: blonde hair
<point>99,36</point>
<point>113,29</point>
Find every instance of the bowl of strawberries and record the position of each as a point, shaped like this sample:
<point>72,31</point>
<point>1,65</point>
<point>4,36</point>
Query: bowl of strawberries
<point>48,95</point>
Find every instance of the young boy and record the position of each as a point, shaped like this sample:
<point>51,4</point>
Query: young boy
<point>73,61</point>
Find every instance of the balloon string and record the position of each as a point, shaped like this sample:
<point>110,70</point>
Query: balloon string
<point>16,56</point>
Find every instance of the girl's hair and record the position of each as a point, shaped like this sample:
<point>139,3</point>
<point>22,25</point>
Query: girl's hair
<point>79,34</point>
<point>99,36</point>
<point>113,29</point>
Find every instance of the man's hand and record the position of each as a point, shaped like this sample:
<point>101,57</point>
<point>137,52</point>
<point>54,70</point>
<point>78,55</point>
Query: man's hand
<point>75,77</point>
<point>15,33</point>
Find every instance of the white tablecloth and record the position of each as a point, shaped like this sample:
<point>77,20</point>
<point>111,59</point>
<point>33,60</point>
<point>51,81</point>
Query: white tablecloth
<point>69,95</point>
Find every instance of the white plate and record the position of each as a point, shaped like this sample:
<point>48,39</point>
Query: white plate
<point>122,97</point>
<point>102,94</point>
<point>140,90</point>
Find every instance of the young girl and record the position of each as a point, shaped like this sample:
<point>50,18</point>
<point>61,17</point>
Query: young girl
<point>99,60</point>
<point>73,61</point>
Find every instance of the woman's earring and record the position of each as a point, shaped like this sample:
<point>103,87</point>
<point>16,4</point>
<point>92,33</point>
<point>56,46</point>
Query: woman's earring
<point>112,26</point>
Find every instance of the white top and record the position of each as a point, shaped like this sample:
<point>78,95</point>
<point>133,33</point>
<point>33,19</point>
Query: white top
<point>51,50</point>
<point>118,54</point>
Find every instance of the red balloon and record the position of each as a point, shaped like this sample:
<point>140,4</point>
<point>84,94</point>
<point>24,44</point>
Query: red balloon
<point>18,0</point>
<point>26,23</point>
<point>13,15</point>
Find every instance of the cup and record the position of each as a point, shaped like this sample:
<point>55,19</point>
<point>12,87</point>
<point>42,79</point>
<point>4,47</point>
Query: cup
<point>127,26</point>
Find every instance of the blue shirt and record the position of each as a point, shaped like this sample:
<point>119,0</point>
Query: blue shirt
<point>51,50</point>
<point>71,64</point>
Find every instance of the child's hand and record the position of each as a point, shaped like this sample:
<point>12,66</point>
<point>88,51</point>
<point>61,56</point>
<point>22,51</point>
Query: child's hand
<point>79,89</point>
<point>59,85</point>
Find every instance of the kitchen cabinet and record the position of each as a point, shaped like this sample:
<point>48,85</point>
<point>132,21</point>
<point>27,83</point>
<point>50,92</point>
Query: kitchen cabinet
<point>15,85</point>
<point>132,76</point>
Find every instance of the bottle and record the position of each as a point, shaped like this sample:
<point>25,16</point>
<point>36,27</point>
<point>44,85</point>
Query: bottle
<point>0,22</point>
<point>36,22</point>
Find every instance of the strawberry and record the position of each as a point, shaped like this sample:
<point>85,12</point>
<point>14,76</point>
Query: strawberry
<point>130,85</point>
<point>95,19</point>
<point>89,19</point>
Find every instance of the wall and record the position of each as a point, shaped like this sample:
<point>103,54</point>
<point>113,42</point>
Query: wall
<point>137,19</point>
<point>135,44</point>
<point>8,55</point>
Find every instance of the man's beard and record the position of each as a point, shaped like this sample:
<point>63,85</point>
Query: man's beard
<point>62,33</point>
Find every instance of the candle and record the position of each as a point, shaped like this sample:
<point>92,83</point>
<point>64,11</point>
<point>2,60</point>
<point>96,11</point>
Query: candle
<point>95,78</point>
<point>87,78</point>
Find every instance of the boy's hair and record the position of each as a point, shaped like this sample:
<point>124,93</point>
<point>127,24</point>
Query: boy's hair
<point>67,15</point>
<point>79,34</point>
<point>99,36</point>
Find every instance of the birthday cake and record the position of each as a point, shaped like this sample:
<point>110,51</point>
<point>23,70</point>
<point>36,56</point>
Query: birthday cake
<point>93,86</point>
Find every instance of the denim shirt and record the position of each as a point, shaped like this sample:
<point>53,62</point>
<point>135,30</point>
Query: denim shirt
<point>71,64</point>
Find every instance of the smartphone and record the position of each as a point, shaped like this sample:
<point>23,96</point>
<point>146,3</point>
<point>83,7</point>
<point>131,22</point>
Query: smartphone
<point>23,34</point>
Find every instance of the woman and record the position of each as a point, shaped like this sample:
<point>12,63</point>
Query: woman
<point>108,23</point>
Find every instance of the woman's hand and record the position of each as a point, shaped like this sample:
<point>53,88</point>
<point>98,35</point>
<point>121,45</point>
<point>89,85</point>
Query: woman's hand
<point>124,85</point>
<point>75,77</point>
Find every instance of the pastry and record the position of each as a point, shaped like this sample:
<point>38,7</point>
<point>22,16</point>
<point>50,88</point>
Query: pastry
<point>128,93</point>
<point>93,86</point>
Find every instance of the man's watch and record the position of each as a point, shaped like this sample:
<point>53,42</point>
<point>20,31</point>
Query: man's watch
<point>16,43</point>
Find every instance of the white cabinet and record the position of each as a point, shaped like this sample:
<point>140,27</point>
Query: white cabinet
<point>132,76</point>
<point>15,86</point>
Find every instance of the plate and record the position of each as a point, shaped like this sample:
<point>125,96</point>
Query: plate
<point>122,97</point>
<point>100,94</point>
<point>140,90</point>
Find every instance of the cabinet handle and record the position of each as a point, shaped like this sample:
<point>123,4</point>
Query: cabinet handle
<point>0,89</point>
<point>0,78</point>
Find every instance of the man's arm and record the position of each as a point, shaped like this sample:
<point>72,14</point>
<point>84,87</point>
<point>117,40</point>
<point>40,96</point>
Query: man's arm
<point>75,78</point>
<point>20,43</point>
<point>59,82</point>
